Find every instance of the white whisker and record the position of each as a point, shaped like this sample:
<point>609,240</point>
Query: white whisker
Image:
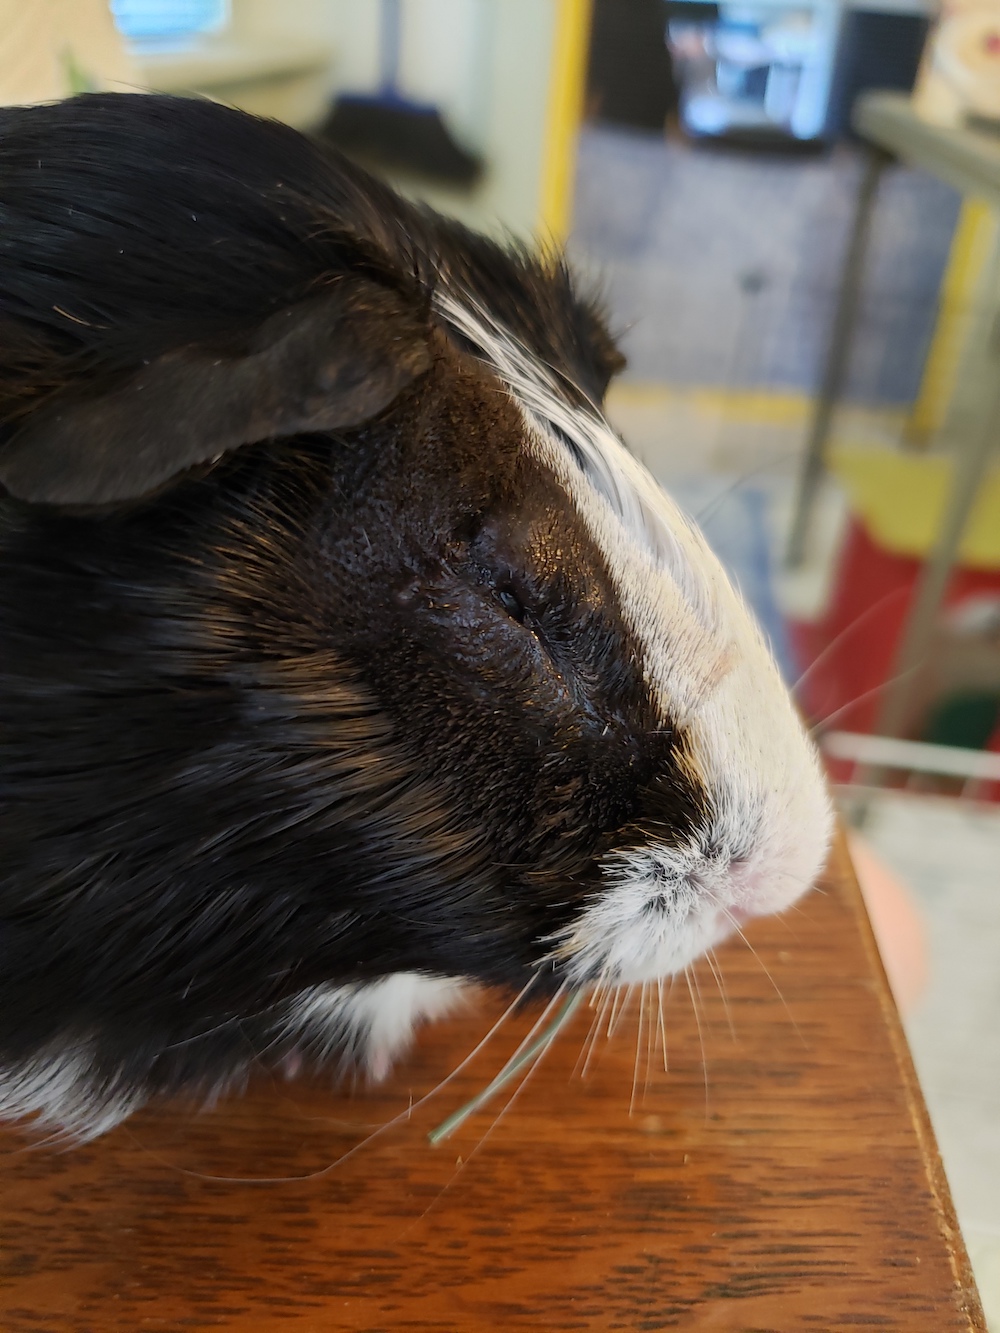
<point>838,640</point>
<point>647,998</point>
<point>701,1035</point>
<point>526,1051</point>
<point>398,1119</point>
<point>638,1047</point>
<point>715,969</point>
<point>533,1057</point>
<point>764,969</point>
<point>622,1000</point>
<point>662,1021</point>
<point>599,1001</point>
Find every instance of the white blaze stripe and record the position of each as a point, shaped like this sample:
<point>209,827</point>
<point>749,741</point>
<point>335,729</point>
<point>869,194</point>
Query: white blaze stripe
<point>708,670</point>
<point>674,592</point>
<point>650,517</point>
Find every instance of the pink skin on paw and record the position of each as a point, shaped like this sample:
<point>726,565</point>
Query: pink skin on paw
<point>379,1066</point>
<point>291,1066</point>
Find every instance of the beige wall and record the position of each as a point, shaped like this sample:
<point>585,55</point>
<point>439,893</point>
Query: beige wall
<point>485,63</point>
<point>49,48</point>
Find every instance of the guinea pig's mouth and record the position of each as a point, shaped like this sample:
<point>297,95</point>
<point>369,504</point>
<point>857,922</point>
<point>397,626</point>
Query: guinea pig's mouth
<point>659,909</point>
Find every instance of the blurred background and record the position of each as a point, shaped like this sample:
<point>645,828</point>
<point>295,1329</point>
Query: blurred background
<point>790,207</point>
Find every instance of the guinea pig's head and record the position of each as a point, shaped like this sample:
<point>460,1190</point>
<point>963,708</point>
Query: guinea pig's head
<point>346,655</point>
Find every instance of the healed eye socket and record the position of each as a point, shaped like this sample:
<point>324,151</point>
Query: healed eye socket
<point>511,605</point>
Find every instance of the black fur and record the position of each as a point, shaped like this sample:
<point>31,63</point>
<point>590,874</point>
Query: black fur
<point>352,700</point>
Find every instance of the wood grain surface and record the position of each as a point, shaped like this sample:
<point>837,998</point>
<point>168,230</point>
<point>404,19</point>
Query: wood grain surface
<point>781,1176</point>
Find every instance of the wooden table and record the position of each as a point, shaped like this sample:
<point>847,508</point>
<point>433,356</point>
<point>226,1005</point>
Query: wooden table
<point>781,1176</point>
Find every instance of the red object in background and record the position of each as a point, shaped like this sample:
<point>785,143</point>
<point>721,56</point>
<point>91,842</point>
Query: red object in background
<point>847,655</point>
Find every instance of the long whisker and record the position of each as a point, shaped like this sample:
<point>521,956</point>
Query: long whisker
<point>638,1045</point>
<point>715,969</point>
<point>706,512</point>
<point>662,1020</point>
<point>600,1001</point>
<point>647,999</point>
<point>369,1138</point>
<point>611,998</point>
<point>622,1002</point>
<point>838,640</point>
<point>701,1036</point>
<point>588,1040</point>
<point>528,1049</point>
<point>765,970</point>
<point>532,1058</point>
<point>825,723</point>
<point>695,981</point>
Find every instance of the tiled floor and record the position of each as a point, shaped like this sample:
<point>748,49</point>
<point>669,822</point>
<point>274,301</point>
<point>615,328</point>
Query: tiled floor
<point>722,268</point>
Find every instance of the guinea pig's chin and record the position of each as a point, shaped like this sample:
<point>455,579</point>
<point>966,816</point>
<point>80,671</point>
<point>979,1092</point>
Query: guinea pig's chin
<point>661,908</point>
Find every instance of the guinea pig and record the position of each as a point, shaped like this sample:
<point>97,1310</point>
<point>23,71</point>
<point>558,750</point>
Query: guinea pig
<point>347,658</point>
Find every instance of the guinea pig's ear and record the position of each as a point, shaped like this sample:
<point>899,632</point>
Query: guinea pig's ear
<point>327,363</point>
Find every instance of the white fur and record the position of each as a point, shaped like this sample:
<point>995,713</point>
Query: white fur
<point>710,674</point>
<point>58,1088</point>
<point>373,1021</point>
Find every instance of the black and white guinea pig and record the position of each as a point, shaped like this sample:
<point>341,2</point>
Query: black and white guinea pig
<point>346,656</point>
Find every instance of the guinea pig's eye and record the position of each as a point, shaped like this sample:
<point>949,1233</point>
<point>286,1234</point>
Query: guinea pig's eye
<point>511,605</point>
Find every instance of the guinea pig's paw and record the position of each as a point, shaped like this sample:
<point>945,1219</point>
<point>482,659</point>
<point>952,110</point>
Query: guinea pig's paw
<point>60,1091</point>
<point>368,1024</point>
<point>291,1065</point>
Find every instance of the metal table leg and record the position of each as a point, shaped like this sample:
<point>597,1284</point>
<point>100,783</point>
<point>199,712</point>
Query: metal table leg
<point>971,460</point>
<point>835,367</point>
